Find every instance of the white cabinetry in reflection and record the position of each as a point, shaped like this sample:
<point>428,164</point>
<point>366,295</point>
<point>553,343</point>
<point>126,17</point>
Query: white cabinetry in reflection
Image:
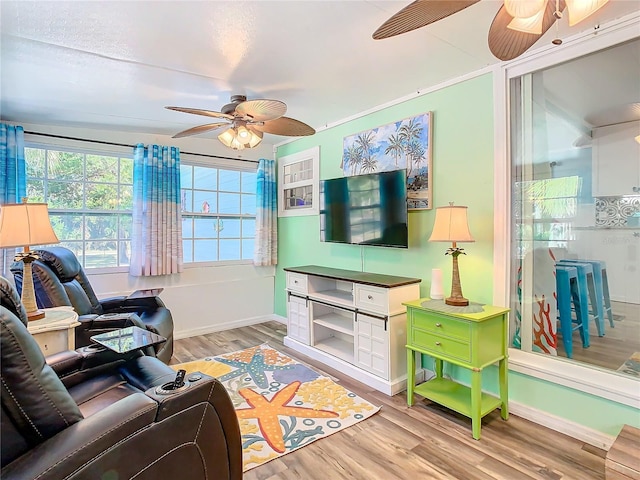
<point>352,321</point>
<point>616,160</point>
<point>619,248</point>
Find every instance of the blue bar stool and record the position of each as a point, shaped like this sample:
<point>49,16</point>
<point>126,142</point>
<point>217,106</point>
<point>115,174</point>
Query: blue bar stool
<point>602,286</point>
<point>605,291</point>
<point>569,288</point>
<point>587,281</point>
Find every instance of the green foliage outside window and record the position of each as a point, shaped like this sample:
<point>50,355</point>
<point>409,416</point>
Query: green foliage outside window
<point>90,199</point>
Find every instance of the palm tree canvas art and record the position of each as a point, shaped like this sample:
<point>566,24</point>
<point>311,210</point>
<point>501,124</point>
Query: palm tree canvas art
<point>405,144</point>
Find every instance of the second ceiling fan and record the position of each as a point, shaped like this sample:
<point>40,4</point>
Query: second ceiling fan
<point>246,121</point>
<point>516,27</point>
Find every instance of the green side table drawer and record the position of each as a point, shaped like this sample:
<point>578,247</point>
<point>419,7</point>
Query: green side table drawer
<point>441,325</point>
<point>441,345</point>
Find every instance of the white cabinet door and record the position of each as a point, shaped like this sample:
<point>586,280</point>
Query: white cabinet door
<point>298,315</point>
<point>371,344</point>
<point>616,160</point>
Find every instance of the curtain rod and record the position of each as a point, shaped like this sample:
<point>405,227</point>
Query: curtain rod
<point>131,146</point>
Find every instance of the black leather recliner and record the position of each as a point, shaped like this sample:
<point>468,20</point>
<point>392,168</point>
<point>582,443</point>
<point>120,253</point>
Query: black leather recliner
<point>94,414</point>
<point>59,280</point>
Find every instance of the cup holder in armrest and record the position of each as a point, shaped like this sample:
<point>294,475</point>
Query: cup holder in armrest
<point>94,347</point>
<point>169,389</point>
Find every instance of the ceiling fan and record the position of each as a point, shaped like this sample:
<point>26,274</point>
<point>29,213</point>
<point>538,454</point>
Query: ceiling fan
<point>516,27</point>
<point>246,122</point>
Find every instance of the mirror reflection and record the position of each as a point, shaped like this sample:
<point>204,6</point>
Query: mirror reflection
<point>575,156</point>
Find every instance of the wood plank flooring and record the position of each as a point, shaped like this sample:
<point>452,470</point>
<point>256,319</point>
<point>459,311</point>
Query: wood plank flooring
<point>616,346</point>
<point>423,442</point>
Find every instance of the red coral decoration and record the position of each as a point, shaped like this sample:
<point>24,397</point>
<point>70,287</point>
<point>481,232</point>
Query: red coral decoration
<point>543,328</point>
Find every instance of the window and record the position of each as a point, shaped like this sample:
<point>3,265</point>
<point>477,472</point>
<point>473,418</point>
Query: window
<point>298,180</point>
<point>90,199</point>
<point>574,167</point>
<point>218,213</point>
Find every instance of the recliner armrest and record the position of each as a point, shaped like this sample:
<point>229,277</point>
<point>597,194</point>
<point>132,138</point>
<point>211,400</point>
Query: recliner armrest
<point>126,304</point>
<point>204,389</point>
<point>65,453</point>
<point>112,303</point>
<point>79,365</point>
<point>64,363</point>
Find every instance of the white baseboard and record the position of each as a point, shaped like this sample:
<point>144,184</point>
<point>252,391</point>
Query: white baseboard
<point>218,327</point>
<point>572,429</point>
<point>279,318</point>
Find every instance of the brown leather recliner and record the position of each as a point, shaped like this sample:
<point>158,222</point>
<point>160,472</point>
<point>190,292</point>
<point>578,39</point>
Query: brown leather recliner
<point>59,280</point>
<point>94,414</point>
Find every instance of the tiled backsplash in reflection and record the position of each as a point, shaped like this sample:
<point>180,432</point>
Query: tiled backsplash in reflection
<point>618,211</point>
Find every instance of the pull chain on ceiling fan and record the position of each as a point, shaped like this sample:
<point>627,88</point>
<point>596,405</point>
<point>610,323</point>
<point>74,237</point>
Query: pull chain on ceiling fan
<point>516,27</point>
<point>247,121</point>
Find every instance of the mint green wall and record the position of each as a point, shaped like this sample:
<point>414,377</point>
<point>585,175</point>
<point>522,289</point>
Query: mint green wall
<point>462,173</point>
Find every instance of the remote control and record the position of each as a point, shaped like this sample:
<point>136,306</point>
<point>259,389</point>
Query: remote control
<point>179,381</point>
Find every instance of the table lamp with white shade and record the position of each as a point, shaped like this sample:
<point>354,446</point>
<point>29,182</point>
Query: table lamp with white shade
<point>451,225</point>
<point>25,225</point>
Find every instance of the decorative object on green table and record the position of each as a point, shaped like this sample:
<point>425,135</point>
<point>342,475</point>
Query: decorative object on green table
<point>282,405</point>
<point>631,366</point>
<point>451,225</point>
<point>24,225</point>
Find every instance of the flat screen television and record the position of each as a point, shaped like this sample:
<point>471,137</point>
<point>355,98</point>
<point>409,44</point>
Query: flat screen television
<point>368,209</point>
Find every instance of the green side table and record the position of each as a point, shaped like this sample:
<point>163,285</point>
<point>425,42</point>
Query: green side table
<point>469,340</point>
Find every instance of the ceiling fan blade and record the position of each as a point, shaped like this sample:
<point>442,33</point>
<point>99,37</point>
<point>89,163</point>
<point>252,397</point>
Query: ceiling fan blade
<point>200,129</point>
<point>286,126</point>
<point>418,14</point>
<point>507,44</point>
<point>261,110</point>
<point>198,111</point>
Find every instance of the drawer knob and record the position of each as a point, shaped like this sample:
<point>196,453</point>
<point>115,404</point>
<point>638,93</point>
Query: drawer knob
<point>295,281</point>
<point>369,297</point>
<point>438,343</point>
<point>438,325</point>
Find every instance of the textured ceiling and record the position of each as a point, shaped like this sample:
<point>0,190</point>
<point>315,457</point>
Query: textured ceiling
<point>115,65</point>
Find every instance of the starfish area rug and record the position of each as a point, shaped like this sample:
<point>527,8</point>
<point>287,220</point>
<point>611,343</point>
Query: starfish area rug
<point>282,405</point>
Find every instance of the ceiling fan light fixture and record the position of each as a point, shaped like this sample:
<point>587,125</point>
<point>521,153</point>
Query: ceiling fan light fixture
<point>240,137</point>
<point>227,136</point>
<point>531,24</point>
<point>581,9</point>
<point>255,139</point>
<point>243,133</point>
<point>523,8</point>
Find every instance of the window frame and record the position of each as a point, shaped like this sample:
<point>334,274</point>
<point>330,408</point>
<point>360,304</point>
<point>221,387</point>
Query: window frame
<point>81,147</point>
<point>583,378</point>
<point>312,154</point>
<point>224,164</point>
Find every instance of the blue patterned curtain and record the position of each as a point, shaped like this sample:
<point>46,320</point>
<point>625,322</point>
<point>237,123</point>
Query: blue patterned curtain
<point>156,239</point>
<point>266,242</point>
<point>13,177</point>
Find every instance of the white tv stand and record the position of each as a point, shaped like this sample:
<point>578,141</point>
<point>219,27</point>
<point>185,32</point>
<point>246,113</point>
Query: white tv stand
<point>352,321</point>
